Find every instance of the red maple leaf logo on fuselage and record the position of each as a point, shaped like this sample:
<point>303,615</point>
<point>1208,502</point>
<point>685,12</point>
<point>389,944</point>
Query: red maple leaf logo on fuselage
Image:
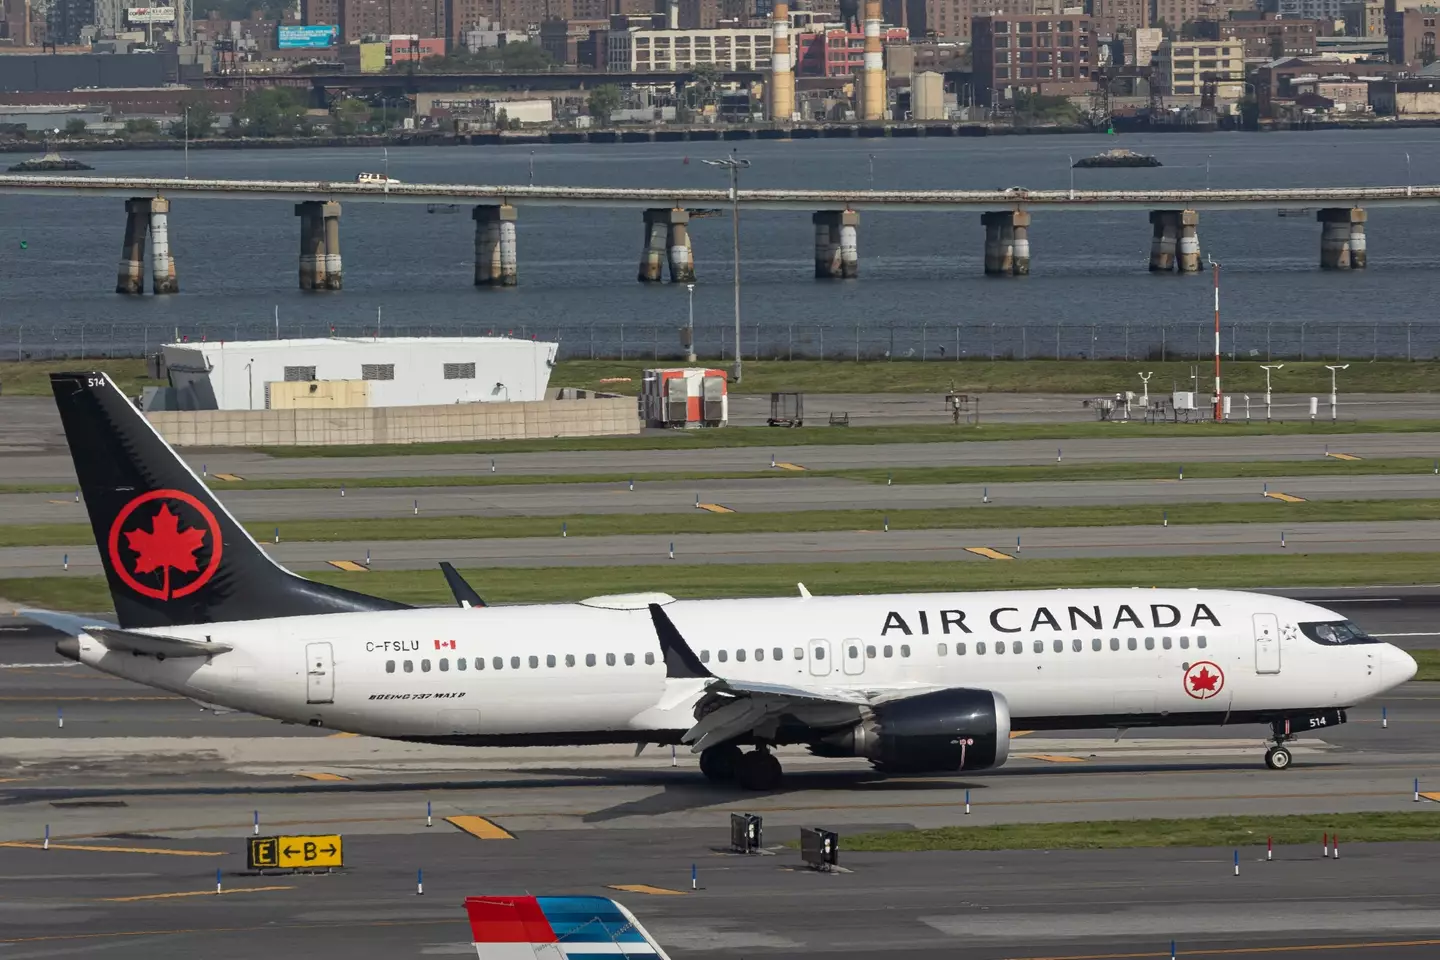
<point>1204,680</point>
<point>165,547</point>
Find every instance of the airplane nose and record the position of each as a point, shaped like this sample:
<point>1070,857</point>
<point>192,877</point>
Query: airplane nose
<point>68,647</point>
<point>1400,666</point>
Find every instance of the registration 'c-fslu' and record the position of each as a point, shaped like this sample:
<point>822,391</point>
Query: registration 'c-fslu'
<point>917,682</point>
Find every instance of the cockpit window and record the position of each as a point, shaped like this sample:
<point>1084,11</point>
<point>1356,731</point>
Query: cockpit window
<point>1336,632</point>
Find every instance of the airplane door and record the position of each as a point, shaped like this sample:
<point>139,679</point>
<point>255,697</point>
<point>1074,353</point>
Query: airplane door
<point>854,654</point>
<point>819,658</point>
<point>1267,643</point>
<point>319,673</point>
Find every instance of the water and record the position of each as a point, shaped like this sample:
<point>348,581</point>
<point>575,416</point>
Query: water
<point>921,290</point>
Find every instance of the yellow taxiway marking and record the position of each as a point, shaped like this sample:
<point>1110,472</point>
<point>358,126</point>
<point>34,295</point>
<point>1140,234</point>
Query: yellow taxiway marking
<point>480,827</point>
<point>989,552</point>
<point>782,465</point>
<point>1020,733</point>
<point>328,777</point>
<point>96,848</point>
<point>59,501</point>
<point>1284,497</point>
<point>226,476</point>
<point>1343,456</point>
<point>646,888</point>
<point>714,507</point>
<point>1246,951</point>
<point>1432,797</point>
<point>342,734</point>
<point>191,893</point>
<point>1053,758</point>
<point>349,565</point>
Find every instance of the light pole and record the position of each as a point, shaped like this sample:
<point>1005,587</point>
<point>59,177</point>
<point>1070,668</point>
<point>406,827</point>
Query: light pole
<point>872,171</point>
<point>1216,268</point>
<point>1207,173</point>
<point>1145,395</point>
<point>1267,369</point>
<point>690,327</point>
<point>1409,189</point>
<point>734,164</point>
<point>187,143</point>
<point>532,168</point>
<point>1334,397</point>
<point>1072,177</point>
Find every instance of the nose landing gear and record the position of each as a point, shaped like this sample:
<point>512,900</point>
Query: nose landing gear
<point>1278,756</point>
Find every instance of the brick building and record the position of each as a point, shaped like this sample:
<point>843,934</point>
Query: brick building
<point>1013,54</point>
<point>836,52</point>
<point>1265,36</point>
<point>1412,34</point>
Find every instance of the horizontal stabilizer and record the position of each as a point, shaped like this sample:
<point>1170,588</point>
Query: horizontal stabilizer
<point>557,928</point>
<point>153,646</point>
<point>66,623</point>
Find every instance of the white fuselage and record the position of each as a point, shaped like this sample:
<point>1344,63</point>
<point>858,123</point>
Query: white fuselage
<point>576,673</point>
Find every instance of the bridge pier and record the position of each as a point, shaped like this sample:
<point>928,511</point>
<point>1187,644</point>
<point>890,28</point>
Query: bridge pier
<point>837,251</point>
<point>497,254</point>
<point>1189,241</point>
<point>667,238</point>
<point>330,221</point>
<point>1175,231</point>
<point>1007,243</point>
<point>1342,238</point>
<point>652,255</point>
<point>130,279</point>
<point>312,244</point>
<point>162,264</point>
<point>682,258</point>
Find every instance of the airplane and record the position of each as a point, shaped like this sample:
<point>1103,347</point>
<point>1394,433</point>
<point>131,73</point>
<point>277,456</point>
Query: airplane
<point>557,928</point>
<point>911,682</point>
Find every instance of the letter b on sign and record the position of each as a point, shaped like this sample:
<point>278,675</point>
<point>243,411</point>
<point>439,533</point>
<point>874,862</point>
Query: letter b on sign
<point>309,852</point>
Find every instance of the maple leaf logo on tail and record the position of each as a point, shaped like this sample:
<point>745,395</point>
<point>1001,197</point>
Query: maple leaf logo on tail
<point>171,543</point>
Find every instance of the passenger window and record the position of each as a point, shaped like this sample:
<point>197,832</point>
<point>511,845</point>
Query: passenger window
<point>800,654</point>
<point>959,649</point>
<point>1165,642</point>
<point>514,663</point>
<point>569,659</point>
<point>649,659</point>
<point>549,659</point>
<point>1184,643</point>
<point>759,654</point>
<point>461,663</point>
<point>409,666</point>
<point>498,663</point>
<point>940,649</point>
<point>889,651</point>
<point>1114,643</point>
<point>1130,644</point>
<point>589,659</point>
<point>999,647</point>
<point>1077,644</point>
<point>1059,646</point>
<point>819,653</point>
<point>479,663</point>
<point>1096,644</point>
<point>1149,643</point>
<point>870,651</point>
<point>722,656</point>
<point>1017,647</point>
<point>980,647</point>
<point>1039,646</point>
<point>904,649</point>
<point>704,656</point>
<point>779,653</point>
<point>740,655</point>
<point>444,664</point>
<point>629,659</point>
<point>534,663</point>
<point>1200,642</point>
<point>424,666</point>
<point>609,659</point>
<point>389,666</point>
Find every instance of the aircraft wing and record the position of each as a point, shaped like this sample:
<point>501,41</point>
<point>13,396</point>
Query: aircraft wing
<point>154,646</point>
<point>735,707</point>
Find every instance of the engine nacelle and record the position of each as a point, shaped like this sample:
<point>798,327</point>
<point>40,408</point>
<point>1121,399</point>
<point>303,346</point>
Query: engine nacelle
<point>956,729</point>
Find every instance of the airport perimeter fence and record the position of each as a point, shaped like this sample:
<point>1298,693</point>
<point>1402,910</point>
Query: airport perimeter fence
<point>1263,341</point>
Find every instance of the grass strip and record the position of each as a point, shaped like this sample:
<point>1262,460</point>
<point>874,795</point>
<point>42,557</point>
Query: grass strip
<point>1225,832</point>
<point>1429,661</point>
<point>804,521</point>
<point>564,584</point>
<point>1098,377</point>
<point>738,437</point>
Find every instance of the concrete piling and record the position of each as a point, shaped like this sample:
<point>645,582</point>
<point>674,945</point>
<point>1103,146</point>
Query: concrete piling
<point>330,221</point>
<point>1020,232</point>
<point>1003,228</point>
<point>837,250</point>
<point>652,255</point>
<point>497,253</point>
<point>130,279</point>
<point>162,264</point>
<point>312,244</point>
<point>1342,238</point>
<point>677,240</point>
<point>1163,240</point>
<point>1189,261</point>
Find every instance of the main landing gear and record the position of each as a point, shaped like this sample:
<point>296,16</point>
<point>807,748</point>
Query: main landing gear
<point>1278,756</point>
<point>756,770</point>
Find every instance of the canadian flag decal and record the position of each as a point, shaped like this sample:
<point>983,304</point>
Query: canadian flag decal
<point>444,644</point>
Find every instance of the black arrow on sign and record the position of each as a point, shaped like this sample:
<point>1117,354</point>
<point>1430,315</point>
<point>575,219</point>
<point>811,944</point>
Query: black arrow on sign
<point>289,851</point>
<point>330,849</point>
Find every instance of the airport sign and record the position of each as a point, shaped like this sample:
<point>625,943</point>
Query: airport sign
<point>295,852</point>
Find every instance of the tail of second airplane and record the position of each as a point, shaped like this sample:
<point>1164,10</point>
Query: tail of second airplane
<point>557,928</point>
<point>172,553</point>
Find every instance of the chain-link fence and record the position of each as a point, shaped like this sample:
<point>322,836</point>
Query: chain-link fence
<point>1279,340</point>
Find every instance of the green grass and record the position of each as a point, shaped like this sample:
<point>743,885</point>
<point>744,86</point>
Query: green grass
<point>1429,661</point>
<point>734,437</point>
<point>31,378</point>
<point>990,517</point>
<point>1225,832</point>
<point>560,584</point>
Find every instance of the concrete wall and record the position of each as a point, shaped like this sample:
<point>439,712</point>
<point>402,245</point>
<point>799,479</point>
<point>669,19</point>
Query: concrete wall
<point>429,424</point>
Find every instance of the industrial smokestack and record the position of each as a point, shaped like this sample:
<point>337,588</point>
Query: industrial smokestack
<point>782,75</point>
<point>873,91</point>
<point>672,15</point>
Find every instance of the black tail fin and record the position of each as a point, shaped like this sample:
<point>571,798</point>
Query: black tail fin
<point>172,553</point>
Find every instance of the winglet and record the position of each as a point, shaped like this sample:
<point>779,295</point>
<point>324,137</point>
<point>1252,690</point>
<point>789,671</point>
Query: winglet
<point>464,594</point>
<point>804,593</point>
<point>680,661</point>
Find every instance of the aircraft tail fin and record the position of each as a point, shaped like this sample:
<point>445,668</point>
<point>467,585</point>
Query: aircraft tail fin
<point>529,928</point>
<point>171,551</point>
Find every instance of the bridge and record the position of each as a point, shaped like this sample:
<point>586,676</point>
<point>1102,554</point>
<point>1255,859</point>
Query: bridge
<point>1174,216</point>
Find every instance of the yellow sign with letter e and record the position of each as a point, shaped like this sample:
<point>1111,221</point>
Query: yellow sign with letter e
<point>295,853</point>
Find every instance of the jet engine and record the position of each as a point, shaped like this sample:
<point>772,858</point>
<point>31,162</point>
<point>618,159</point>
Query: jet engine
<point>958,729</point>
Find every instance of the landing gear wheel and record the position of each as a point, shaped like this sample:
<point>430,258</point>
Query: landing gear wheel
<point>1277,758</point>
<point>719,763</point>
<point>758,770</point>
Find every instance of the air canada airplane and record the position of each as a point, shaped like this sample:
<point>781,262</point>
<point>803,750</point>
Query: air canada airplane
<point>911,682</point>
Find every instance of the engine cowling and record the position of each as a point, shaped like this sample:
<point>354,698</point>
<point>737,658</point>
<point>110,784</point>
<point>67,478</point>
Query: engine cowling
<point>958,729</point>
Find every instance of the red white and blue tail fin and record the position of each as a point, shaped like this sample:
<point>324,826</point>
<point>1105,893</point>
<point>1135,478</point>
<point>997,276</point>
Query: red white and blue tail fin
<point>557,928</point>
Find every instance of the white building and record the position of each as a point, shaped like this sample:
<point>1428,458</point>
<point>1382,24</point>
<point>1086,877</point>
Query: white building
<point>639,51</point>
<point>380,372</point>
